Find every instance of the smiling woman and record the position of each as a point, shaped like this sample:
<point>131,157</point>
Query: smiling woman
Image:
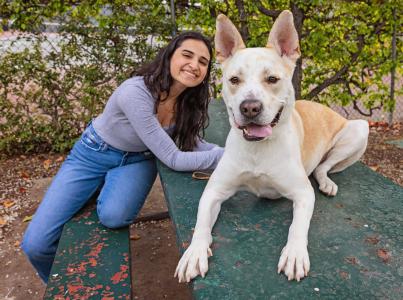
<point>159,113</point>
<point>189,64</point>
<point>186,98</point>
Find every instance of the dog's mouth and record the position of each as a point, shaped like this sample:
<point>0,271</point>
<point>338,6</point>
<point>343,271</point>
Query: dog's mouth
<point>256,132</point>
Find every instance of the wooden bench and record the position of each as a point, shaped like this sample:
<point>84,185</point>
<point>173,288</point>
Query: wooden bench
<point>92,261</point>
<point>355,238</point>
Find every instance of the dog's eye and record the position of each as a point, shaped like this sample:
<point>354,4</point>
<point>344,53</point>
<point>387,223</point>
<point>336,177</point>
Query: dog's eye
<point>234,80</point>
<point>272,79</point>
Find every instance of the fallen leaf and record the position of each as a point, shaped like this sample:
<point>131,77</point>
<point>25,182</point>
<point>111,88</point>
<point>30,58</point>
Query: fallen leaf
<point>60,159</point>
<point>396,126</point>
<point>27,218</point>
<point>374,168</point>
<point>24,175</point>
<point>384,255</point>
<point>351,260</point>
<point>8,203</point>
<point>344,275</point>
<point>372,240</point>
<point>22,190</point>
<point>135,237</point>
<point>3,222</point>
<point>17,244</point>
<point>46,164</point>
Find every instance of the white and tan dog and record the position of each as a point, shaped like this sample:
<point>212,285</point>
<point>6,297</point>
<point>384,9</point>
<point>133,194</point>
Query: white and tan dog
<point>274,144</point>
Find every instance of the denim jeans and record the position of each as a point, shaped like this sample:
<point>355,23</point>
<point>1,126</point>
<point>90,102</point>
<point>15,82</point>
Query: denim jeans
<point>125,177</point>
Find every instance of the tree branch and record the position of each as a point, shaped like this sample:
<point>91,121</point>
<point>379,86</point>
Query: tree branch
<point>268,12</point>
<point>355,102</point>
<point>358,85</point>
<point>368,114</point>
<point>336,77</point>
<point>345,111</point>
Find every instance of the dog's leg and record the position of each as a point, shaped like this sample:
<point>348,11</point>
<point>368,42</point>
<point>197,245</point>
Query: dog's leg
<point>349,145</point>
<point>194,261</point>
<point>294,259</point>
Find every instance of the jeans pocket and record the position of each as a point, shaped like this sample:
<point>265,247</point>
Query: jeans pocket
<point>91,141</point>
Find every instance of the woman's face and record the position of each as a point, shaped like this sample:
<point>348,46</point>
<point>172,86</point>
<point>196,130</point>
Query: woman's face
<point>189,63</point>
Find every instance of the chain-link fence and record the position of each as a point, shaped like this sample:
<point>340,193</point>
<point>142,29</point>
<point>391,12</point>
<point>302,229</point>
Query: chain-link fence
<point>50,41</point>
<point>377,113</point>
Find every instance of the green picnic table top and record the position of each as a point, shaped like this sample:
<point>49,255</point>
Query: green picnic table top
<point>355,238</point>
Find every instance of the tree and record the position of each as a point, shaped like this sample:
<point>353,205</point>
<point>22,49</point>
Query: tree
<point>346,45</point>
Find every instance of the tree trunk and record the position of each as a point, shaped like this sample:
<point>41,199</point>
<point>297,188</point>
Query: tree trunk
<point>298,23</point>
<point>393,71</point>
<point>243,18</point>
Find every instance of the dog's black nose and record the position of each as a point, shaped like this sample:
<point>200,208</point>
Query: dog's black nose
<point>251,108</point>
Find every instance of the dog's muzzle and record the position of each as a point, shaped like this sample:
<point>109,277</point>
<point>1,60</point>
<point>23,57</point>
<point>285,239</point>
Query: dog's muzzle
<point>256,132</point>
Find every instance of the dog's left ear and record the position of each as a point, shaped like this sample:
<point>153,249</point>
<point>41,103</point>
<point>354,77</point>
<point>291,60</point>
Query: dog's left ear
<point>227,38</point>
<point>284,37</point>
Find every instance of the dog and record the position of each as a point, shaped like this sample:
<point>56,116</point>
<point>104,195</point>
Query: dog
<point>274,143</point>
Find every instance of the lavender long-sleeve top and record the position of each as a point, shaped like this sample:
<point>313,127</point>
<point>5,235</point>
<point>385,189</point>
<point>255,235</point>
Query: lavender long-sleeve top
<point>129,123</point>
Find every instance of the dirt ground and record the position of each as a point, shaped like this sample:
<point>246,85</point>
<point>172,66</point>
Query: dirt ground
<point>24,178</point>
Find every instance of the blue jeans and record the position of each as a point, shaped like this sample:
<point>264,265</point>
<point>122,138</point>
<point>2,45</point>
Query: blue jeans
<point>125,177</point>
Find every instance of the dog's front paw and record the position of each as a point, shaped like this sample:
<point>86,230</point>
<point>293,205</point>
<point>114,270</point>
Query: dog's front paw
<point>294,261</point>
<point>194,261</point>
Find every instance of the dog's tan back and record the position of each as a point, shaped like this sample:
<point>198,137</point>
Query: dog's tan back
<point>318,125</point>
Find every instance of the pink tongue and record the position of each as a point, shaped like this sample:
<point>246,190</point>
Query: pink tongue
<point>259,131</point>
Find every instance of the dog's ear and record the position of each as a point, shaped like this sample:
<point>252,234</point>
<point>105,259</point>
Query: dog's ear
<point>227,38</point>
<point>284,37</point>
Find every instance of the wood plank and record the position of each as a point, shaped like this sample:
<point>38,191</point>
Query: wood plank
<point>92,261</point>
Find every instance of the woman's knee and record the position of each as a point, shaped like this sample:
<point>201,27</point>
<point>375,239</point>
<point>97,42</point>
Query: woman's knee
<point>114,219</point>
<point>34,247</point>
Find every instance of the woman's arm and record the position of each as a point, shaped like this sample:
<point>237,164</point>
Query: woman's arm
<point>202,145</point>
<point>138,106</point>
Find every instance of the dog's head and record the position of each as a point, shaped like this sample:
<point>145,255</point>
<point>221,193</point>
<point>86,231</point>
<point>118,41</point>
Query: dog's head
<point>257,82</point>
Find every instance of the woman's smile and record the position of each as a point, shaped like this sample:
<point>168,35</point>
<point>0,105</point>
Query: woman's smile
<point>190,74</point>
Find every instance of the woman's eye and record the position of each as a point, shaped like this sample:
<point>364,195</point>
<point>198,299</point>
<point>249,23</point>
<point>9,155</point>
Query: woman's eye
<point>234,80</point>
<point>272,79</point>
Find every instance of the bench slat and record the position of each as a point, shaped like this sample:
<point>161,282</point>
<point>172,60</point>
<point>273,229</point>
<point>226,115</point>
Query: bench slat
<point>92,262</point>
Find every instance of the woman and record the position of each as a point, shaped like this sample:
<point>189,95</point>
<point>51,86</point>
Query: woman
<point>158,113</point>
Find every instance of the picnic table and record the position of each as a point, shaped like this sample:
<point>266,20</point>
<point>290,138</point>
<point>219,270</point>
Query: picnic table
<point>355,241</point>
<point>355,238</point>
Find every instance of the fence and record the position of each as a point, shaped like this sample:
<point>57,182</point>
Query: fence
<point>50,42</point>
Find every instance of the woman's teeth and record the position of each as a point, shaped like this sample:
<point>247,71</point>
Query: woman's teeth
<point>190,74</point>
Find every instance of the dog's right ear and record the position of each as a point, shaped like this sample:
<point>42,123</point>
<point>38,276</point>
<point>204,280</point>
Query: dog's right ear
<point>284,37</point>
<point>227,38</point>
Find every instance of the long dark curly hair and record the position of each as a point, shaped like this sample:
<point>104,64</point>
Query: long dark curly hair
<point>191,116</point>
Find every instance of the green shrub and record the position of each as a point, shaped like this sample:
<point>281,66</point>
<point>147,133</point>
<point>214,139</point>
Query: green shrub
<point>53,84</point>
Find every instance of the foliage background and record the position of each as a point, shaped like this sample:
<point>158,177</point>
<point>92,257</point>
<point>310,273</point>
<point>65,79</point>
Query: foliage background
<point>56,81</point>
